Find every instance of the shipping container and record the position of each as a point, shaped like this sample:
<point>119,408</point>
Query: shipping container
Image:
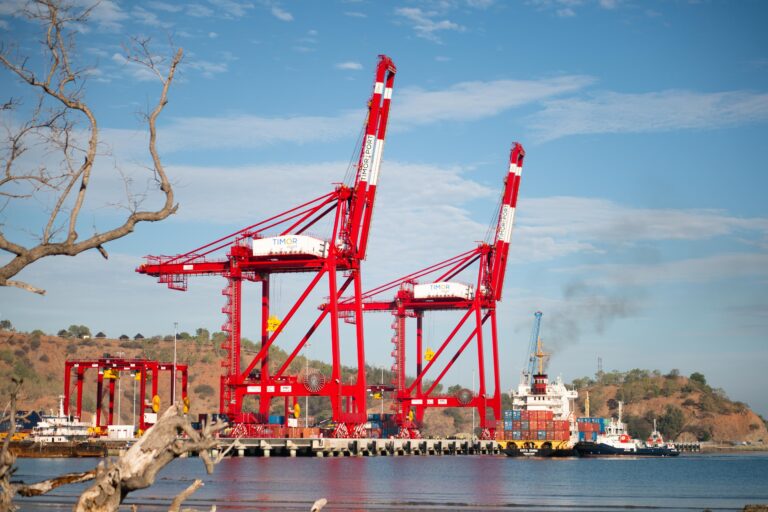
<point>517,435</point>
<point>508,425</point>
<point>525,415</point>
<point>443,290</point>
<point>541,435</point>
<point>517,425</point>
<point>509,414</point>
<point>525,425</point>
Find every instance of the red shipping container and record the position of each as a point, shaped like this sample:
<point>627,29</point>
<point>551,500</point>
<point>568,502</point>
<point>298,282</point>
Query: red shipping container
<point>525,415</point>
<point>547,415</point>
<point>550,425</point>
<point>517,425</point>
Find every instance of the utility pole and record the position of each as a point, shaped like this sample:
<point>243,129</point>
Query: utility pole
<point>306,398</point>
<point>173,382</point>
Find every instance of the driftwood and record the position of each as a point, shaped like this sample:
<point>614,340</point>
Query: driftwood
<point>138,468</point>
<point>135,470</point>
<point>7,459</point>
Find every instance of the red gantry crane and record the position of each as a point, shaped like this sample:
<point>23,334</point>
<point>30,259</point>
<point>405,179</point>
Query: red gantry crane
<point>281,244</point>
<point>478,302</point>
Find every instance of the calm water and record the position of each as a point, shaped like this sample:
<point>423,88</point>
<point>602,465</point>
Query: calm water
<point>693,482</point>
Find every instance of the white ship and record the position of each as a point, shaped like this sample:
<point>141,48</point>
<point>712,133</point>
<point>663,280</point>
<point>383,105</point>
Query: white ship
<point>60,428</point>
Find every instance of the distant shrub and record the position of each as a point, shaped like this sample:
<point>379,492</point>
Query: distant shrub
<point>754,426</point>
<point>6,355</point>
<point>19,352</point>
<point>204,390</point>
<point>44,358</point>
<point>689,402</point>
<point>34,343</point>
<point>72,348</point>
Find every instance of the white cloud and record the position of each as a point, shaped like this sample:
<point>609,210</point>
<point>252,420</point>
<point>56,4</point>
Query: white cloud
<point>107,14</point>
<point>281,14</point>
<point>231,8</point>
<point>198,11</point>
<point>354,14</point>
<point>207,68</point>
<point>148,18</point>
<point>612,112</point>
<point>566,13</point>
<point>135,70</point>
<point>349,65</point>
<point>212,35</point>
<point>464,101</point>
<point>254,131</point>
<point>480,4</point>
<point>163,6</point>
<point>476,100</point>
<point>425,24</point>
<point>4,25</point>
<point>706,269</point>
<point>554,227</point>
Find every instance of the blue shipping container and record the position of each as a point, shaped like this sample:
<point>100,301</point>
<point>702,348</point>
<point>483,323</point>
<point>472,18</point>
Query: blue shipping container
<point>516,415</point>
<point>516,434</point>
<point>374,417</point>
<point>276,420</point>
<point>541,435</point>
<point>508,413</point>
<point>525,425</point>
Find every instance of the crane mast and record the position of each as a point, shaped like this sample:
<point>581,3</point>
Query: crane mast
<point>280,244</point>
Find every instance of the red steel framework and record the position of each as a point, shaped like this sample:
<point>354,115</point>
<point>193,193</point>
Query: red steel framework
<point>144,368</point>
<point>478,304</point>
<point>352,209</point>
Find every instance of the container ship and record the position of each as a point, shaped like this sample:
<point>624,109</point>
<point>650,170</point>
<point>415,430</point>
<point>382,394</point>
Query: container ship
<point>541,420</point>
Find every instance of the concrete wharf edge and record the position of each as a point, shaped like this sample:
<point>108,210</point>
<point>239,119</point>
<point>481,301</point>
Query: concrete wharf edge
<point>328,447</point>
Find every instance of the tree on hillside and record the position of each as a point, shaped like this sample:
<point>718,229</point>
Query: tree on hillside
<point>6,325</point>
<point>698,378</point>
<point>671,423</point>
<point>79,331</point>
<point>50,143</point>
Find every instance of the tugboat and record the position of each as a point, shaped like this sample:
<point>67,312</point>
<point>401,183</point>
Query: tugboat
<point>615,441</point>
<point>541,419</point>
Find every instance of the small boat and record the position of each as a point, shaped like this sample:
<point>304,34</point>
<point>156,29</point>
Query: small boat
<point>615,441</point>
<point>60,428</point>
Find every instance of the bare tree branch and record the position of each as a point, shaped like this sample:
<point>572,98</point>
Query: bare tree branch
<point>186,493</point>
<point>62,86</point>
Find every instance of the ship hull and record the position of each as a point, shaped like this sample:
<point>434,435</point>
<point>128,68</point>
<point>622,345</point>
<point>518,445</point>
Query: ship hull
<point>589,449</point>
<point>513,450</point>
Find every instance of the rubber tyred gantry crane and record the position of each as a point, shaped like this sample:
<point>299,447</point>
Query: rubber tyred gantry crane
<point>412,300</point>
<point>280,244</point>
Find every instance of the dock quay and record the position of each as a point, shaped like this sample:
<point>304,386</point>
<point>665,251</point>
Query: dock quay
<point>327,447</point>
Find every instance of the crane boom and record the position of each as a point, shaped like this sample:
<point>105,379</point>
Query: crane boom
<point>506,219</point>
<point>370,157</point>
<point>533,346</point>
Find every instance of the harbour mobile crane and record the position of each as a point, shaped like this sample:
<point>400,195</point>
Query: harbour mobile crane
<point>281,244</point>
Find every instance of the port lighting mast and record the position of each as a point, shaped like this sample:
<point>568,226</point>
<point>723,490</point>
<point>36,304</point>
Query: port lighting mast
<point>441,293</point>
<point>282,244</point>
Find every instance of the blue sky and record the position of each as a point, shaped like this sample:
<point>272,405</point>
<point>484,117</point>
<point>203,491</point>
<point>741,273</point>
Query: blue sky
<point>642,228</point>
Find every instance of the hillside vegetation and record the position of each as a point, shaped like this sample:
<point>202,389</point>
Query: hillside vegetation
<point>686,408</point>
